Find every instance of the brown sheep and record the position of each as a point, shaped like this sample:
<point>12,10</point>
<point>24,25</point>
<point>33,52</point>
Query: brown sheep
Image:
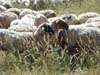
<point>39,19</point>
<point>58,24</point>
<point>6,18</point>
<point>18,40</point>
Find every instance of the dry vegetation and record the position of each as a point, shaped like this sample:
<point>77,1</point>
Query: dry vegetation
<point>50,62</point>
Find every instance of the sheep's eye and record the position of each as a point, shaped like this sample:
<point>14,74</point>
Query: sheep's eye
<point>42,29</point>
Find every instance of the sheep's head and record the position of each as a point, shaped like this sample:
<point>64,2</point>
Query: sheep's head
<point>43,30</point>
<point>70,19</point>
<point>59,24</point>
<point>44,34</point>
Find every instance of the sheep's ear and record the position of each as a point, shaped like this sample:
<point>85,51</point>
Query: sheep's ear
<point>62,24</point>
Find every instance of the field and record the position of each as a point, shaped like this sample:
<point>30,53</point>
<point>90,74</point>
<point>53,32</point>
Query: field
<point>33,62</point>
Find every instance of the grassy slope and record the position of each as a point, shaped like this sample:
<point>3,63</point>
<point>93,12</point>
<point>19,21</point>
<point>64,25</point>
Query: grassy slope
<point>9,64</point>
<point>79,7</point>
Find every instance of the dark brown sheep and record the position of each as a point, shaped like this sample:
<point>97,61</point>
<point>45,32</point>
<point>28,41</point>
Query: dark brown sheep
<point>59,24</point>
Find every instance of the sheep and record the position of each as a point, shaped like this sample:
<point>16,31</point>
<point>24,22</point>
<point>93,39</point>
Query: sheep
<point>77,37</point>
<point>48,13</point>
<point>7,5</point>
<point>24,12</point>
<point>43,28</point>
<point>70,19</point>
<point>95,19</point>
<point>53,18</point>
<point>28,19</point>
<point>15,22</point>
<point>35,12</point>
<point>28,23</point>
<point>23,28</point>
<point>90,24</point>
<point>85,16</point>
<point>50,28</point>
<point>39,19</point>
<point>14,10</point>
<point>58,24</point>
<point>44,34</point>
<point>6,18</point>
<point>80,37</point>
<point>19,40</point>
<point>22,40</point>
<point>2,8</point>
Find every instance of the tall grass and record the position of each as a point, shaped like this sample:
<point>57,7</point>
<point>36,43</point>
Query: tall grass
<point>50,61</point>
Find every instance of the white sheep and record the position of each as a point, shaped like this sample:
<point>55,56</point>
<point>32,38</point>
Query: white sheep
<point>23,28</point>
<point>18,40</point>
<point>28,19</point>
<point>95,19</point>
<point>31,19</point>
<point>14,10</point>
<point>85,16</point>
<point>25,12</point>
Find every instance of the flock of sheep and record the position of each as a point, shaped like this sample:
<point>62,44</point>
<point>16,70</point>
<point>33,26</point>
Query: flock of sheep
<point>20,27</point>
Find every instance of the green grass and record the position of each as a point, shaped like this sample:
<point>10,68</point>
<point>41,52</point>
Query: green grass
<point>79,7</point>
<point>50,62</point>
<point>71,7</point>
